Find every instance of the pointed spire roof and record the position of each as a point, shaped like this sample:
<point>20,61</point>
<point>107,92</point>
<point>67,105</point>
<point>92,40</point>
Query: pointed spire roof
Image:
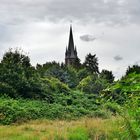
<point>71,42</point>
<point>71,52</point>
<point>75,49</point>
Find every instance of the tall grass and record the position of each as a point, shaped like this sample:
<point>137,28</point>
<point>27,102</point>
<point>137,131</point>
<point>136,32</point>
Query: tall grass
<point>83,129</point>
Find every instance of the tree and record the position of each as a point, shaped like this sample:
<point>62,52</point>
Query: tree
<point>70,77</point>
<point>49,69</point>
<point>16,57</point>
<point>82,73</point>
<point>108,75</point>
<point>17,73</point>
<point>92,84</point>
<point>67,75</point>
<point>77,63</point>
<point>91,63</point>
<point>134,68</point>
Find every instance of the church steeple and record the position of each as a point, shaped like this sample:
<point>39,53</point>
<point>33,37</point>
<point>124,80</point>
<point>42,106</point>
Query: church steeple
<point>71,42</point>
<point>71,52</point>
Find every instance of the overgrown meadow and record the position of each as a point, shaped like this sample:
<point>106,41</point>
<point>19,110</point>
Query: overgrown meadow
<point>58,102</point>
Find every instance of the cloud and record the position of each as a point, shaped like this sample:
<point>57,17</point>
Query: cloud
<point>99,11</point>
<point>118,58</point>
<point>87,38</point>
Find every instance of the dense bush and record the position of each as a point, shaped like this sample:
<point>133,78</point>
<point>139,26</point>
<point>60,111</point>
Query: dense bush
<point>122,89</point>
<point>7,90</point>
<point>53,88</point>
<point>131,115</point>
<point>92,84</point>
<point>55,85</point>
<point>111,107</point>
<point>12,111</point>
<point>82,73</point>
<point>70,106</point>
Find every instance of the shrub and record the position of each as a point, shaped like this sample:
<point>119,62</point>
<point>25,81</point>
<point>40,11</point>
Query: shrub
<point>121,90</point>
<point>7,90</point>
<point>92,84</point>
<point>54,85</point>
<point>112,107</point>
<point>53,89</point>
<point>131,114</point>
<point>20,110</point>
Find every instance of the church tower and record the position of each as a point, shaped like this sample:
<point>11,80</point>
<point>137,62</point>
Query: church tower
<point>71,51</point>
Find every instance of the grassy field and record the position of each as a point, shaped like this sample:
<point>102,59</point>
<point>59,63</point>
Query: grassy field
<point>83,129</point>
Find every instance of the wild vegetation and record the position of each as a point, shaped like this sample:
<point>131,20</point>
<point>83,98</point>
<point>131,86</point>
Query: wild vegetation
<point>82,129</point>
<point>96,106</point>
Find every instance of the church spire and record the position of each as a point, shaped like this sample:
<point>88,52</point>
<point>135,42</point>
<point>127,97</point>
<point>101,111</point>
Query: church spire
<point>71,42</point>
<point>71,52</point>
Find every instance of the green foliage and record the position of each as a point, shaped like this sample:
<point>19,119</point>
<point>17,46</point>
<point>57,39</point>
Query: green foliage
<point>52,88</point>
<point>67,75</point>
<point>107,75</point>
<point>91,63</point>
<point>131,114</point>
<point>17,72</point>
<point>82,73</point>
<point>16,57</point>
<point>92,84</point>
<point>7,90</point>
<point>111,107</point>
<point>120,90</point>
<point>77,63</point>
<point>22,110</point>
<point>71,106</point>
<point>71,78</point>
<point>52,69</point>
<point>19,79</point>
<point>133,69</point>
<point>130,109</point>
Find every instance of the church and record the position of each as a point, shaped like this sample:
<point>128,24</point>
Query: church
<point>71,51</point>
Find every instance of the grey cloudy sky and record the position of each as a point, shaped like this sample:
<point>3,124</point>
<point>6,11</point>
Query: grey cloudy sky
<point>109,28</point>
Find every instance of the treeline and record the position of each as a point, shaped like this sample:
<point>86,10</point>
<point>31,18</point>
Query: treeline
<point>18,78</point>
